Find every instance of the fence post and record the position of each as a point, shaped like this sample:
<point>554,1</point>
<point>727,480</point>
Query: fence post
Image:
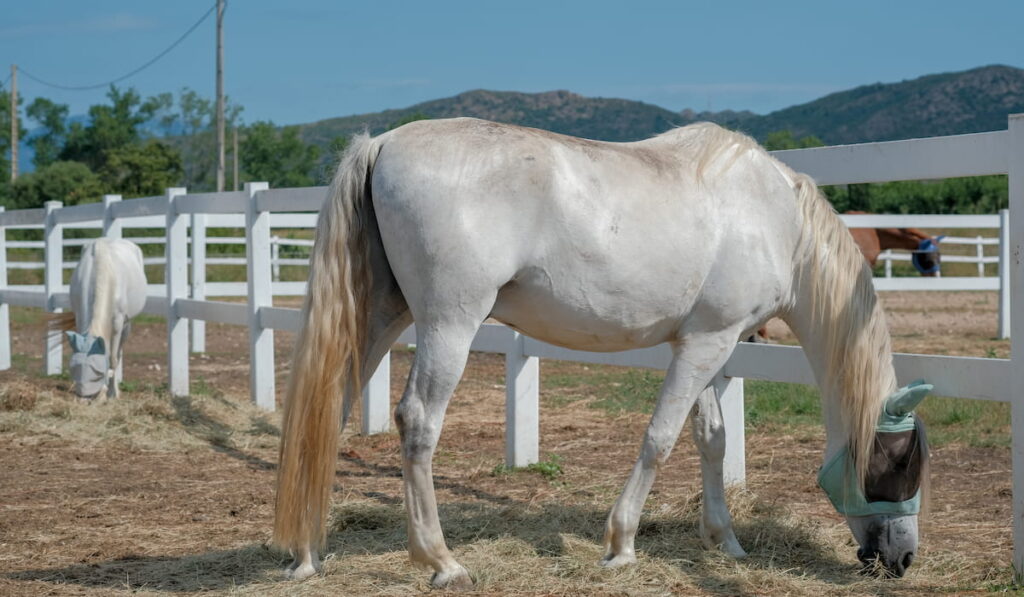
<point>1016,274</point>
<point>887,255</point>
<point>53,277</point>
<point>261,340</point>
<point>111,225</point>
<point>981,257</point>
<point>1004,273</point>
<point>198,233</point>
<point>275,257</point>
<point>176,278</point>
<point>5,316</point>
<point>377,399</point>
<point>729,392</point>
<point>522,404</point>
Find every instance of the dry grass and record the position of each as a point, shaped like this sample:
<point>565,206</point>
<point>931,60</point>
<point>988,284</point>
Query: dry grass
<point>154,495</point>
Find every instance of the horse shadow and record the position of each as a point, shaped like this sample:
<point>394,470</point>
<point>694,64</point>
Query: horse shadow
<point>376,525</point>
<point>201,425</point>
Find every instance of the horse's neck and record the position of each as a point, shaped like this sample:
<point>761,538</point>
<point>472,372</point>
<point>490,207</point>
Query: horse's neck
<point>847,345</point>
<point>895,238</point>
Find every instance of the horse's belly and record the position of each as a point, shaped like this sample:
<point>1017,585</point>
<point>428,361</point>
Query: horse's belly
<point>595,320</point>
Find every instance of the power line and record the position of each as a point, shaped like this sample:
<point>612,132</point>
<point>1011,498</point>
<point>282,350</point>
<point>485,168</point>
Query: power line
<point>132,73</point>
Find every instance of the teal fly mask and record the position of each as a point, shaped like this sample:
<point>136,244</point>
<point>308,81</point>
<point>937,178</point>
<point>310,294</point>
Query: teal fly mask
<point>893,482</point>
<point>89,364</point>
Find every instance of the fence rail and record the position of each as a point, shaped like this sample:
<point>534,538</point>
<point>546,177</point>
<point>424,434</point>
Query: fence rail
<point>183,299</point>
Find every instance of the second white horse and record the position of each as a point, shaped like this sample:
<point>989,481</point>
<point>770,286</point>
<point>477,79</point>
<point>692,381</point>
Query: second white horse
<point>108,289</point>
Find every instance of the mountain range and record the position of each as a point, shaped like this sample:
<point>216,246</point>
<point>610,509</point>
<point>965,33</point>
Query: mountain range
<point>942,104</point>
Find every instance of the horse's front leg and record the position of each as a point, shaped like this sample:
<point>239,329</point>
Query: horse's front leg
<point>441,355</point>
<point>709,435</point>
<point>695,362</point>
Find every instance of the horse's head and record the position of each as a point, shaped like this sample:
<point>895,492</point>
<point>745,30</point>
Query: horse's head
<point>89,364</point>
<point>883,515</point>
<point>927,258</point>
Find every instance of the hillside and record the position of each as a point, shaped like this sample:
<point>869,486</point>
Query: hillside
<point>941,104</point>
<point>558,111</point>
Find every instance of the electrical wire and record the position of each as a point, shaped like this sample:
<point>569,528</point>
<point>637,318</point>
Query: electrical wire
<point>132,73</point>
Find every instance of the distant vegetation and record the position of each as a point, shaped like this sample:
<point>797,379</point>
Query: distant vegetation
<point>137,147</point>
<point>943,104</point>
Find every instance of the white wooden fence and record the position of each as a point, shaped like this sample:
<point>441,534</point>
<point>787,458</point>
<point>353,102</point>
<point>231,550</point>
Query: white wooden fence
<point>1000,152</point>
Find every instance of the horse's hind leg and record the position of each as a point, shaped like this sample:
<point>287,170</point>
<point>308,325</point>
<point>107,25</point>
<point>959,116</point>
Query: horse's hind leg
<point>441,352</point>
<point>117,359</point>
<point>709,435</point>
<point>694,363</point>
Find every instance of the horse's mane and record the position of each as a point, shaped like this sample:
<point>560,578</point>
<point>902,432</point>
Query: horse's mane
<point>858,372</point>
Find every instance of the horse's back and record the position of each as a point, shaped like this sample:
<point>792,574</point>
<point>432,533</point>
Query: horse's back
<point>583,243</point>
<point>123,259</point>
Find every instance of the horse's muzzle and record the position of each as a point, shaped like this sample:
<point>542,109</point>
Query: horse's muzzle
<point>874,562</point>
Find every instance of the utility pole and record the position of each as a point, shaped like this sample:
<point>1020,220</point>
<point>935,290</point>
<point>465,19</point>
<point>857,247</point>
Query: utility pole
<point>234,155</point>
<point>220,95</point>
<point>14,122</point>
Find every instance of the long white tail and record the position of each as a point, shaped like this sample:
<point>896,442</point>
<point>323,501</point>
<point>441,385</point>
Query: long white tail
<point>328,353</point>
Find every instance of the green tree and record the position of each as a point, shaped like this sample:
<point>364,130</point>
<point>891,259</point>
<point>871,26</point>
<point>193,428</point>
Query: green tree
<point>142,169</point>
<point>112,126</point>
<point>784,140</point>
<point>277,156</point>
<point>52,118</point>
<point>70,182</point>
<point>407,119</point>
<point>192,129</point>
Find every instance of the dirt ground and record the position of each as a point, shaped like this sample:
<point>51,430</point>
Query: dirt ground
<point>155,495</point>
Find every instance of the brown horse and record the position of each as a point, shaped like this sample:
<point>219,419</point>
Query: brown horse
<point>872,241</point>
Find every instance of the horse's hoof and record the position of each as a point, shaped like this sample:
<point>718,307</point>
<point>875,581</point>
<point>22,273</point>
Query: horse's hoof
<point>456,578</point>
<point>295,572</point>
<point>732,549</point>
<point>623,559</point>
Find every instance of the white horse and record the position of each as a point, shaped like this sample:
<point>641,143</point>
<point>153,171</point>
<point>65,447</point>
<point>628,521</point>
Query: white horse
<point>694,238</point>
<point>108,289</point>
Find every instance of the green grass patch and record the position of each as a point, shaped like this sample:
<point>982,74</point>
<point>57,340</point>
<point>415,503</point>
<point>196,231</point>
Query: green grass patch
<point>976,423</point>
<point>550,468</point>
<point>774,404</point>
<point>613,389</point>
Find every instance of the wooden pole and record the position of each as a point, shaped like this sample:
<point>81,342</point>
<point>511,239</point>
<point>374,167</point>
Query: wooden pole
<point>220,95</point>
<point>14,122</point>
<point>234,155</point>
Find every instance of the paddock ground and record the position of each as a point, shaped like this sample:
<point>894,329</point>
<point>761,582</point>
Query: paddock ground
<point>154,495</point>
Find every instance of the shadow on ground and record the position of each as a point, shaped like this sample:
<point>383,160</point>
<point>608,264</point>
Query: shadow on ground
<point>371,528</point>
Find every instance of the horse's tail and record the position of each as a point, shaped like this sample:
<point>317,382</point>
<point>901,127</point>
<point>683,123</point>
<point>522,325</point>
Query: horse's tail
<point>327,359</point>
<point>60,322</point>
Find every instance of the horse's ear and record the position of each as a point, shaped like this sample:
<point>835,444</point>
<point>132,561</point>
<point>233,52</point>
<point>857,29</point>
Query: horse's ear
<point>907,398</point>
<point>98,346</point>
<point>75,340</point>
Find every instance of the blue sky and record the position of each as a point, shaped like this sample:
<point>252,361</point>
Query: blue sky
<point>300,61</point>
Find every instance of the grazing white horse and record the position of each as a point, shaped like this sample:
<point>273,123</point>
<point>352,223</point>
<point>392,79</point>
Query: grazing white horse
<point>694,238</point>
<point>108,289</point>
